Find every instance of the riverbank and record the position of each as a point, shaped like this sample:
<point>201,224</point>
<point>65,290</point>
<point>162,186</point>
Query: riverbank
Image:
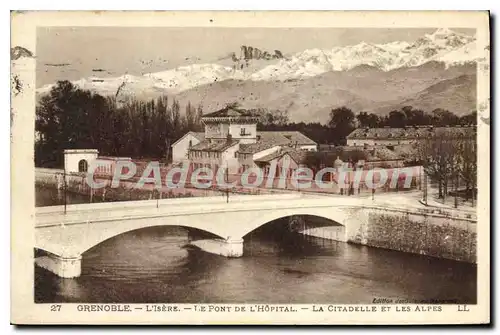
<point>436,232</point>
<point>417,233</point>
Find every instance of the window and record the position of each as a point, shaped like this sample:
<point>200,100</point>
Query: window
<point>243,132</point>
<point>190,143</point>
<point>82,166</point>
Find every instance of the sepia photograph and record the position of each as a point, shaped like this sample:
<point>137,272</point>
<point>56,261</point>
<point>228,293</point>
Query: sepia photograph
<point>262,169</point>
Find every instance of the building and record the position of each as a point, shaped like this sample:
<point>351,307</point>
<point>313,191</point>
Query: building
<point>231,140</point>
<point>181,147</point>
<point>285,159</point>
<point>80,160</point>
<point>391,137</point>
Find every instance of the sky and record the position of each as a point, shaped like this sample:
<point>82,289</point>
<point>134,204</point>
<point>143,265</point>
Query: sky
<point>71,53</point>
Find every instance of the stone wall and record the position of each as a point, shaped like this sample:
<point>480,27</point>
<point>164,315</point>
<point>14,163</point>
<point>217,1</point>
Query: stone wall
<point>335,233</point>
<point>436,236</point>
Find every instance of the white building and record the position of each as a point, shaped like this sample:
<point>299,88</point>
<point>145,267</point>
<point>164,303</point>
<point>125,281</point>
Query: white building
<point>79,160</point>
<point>231,139</point>
<point>181,147</point>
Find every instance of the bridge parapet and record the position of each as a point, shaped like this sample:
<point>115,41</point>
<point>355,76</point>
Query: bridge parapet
<point>168,202</point>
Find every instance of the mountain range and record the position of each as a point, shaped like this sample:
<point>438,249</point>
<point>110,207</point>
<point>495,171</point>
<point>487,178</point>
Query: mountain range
<point>437,70</point>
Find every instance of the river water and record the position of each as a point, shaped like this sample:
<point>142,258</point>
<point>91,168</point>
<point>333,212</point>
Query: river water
<point>278,266</point>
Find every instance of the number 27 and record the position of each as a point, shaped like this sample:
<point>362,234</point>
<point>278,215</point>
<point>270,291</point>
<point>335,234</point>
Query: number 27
<point>55,308</point>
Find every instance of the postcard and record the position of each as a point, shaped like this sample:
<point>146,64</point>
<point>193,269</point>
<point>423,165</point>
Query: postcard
<point>250,168</point>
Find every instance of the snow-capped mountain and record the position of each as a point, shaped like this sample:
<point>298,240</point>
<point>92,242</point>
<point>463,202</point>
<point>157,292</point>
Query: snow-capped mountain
<point>171,81</point>
<point>186,77</point>
<point>444,45</point>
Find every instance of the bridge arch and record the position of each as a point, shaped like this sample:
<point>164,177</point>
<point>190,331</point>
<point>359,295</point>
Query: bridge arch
<point>94,242</point>
<point>74,240</point>
<point>336,215</point>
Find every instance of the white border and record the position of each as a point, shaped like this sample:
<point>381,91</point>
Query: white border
<point>186,4</point>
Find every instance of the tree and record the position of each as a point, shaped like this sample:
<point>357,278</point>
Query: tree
<point>442,117</point>
<point>342,123</point>
<point>467,165</point>
<point>190,116</point>
<point>449,157</point>
<point>416,117</point>
<point>67,118</point>
<point>273,117</point>
<point>396,119</point>
<point>469,119</point>
<point>199,115</point>
<point>368,120</point>
<point>362,119</point>
<point>434,152</point>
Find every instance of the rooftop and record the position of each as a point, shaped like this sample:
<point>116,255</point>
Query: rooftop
<point>411,132</point>
<point>199,135</point>
<point>214,145</point>
<point>231,111</point>
<point>269,139</point>
<point>297,155</point>
<point>349,153</point>
<point>81,151</point>
<point>291,136</point>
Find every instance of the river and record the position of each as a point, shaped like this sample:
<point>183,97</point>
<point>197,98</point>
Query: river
<point>278,266</point>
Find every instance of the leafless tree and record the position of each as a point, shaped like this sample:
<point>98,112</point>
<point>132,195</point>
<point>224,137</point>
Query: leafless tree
<point>449,159</point>
<point>467,165</point>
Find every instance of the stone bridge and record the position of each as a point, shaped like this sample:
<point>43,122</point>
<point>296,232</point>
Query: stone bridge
<point>64,237</point>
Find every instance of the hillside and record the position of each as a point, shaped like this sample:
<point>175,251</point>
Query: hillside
<point>458,95</point>
<point>361,89</point>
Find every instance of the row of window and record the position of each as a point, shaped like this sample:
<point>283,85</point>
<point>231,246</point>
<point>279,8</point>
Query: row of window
<point>205,154</point>
<point>380,143</point>
<point>244,156</point>
<point>287,172</point>
<point>200,165</point>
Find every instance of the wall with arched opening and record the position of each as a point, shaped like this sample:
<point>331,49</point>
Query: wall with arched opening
<point>74,159</point>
